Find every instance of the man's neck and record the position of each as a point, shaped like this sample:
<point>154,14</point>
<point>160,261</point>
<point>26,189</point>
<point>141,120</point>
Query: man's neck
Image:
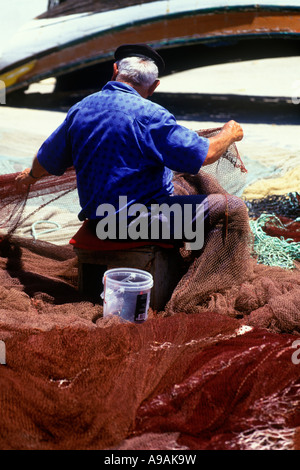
<point>141,90</point>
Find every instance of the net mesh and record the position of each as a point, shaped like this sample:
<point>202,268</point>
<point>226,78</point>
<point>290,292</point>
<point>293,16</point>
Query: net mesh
<point>198,375</point>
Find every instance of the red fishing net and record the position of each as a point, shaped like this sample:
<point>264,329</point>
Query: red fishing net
<point>185,382</point>
<point>284,227</point>
<point>217,369</point>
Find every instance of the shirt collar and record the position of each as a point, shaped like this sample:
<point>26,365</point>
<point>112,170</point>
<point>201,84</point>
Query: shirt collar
<point>120,86</point>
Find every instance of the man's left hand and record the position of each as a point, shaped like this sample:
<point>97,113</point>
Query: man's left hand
<point>23,180</point>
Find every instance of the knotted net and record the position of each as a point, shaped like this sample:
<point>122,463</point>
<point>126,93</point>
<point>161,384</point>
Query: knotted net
<point>199,375</point>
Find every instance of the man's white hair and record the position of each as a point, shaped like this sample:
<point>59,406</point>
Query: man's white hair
<point>137,70</point>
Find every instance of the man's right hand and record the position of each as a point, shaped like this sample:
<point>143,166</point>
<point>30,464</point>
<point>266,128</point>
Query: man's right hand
<point>218,144</point>
<point>234,130</point>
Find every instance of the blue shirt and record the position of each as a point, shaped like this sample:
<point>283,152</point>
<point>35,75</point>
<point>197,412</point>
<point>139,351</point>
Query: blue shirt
<point>121,144</point>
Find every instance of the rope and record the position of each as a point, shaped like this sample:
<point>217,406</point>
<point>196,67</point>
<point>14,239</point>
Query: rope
<point>273,251</point>
<point>33,230</point>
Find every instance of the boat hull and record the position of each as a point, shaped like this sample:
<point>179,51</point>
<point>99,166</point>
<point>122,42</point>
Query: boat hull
<point>204,26</point>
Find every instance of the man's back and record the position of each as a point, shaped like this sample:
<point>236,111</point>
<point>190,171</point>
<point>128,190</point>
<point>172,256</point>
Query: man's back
<point>121,144</point>
<point>110,151</point>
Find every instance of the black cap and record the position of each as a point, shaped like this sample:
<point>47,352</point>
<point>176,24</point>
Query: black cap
<point>140,50</point>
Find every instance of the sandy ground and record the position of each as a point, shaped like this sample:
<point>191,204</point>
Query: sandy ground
<point>271,152</point>
<point>269,147</point>
<point>267,77</point>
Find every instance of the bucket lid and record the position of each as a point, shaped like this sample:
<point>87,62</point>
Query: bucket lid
<point>129,278</point>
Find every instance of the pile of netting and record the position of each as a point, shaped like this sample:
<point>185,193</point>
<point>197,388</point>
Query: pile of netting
<point>285,205</point>
<point>217,369</point>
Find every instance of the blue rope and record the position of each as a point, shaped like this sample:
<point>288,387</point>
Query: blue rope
<point>34,232</point>
<point>273,251</point>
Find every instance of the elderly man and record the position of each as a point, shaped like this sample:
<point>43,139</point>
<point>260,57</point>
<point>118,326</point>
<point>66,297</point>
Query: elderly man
<point>123,145</point>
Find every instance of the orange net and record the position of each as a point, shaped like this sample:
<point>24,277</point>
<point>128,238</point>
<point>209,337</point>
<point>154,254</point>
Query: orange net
<point>217,369</point>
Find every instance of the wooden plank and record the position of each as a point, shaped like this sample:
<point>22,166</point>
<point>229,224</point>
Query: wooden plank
<point>166,272</point>
<point>140,259</point>
<point>163,264</point>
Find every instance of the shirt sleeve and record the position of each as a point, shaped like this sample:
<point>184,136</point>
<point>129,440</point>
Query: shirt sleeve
<point>176,146</point>
<point>55,155</point>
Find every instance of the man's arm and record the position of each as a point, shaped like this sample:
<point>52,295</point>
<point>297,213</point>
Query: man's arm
<point>31,175</point>
<point>231,132</point>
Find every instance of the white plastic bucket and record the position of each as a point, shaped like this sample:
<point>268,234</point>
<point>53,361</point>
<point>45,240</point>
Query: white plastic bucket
<point>127,293</point>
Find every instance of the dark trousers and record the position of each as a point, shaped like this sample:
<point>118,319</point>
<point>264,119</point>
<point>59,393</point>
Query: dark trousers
<point>174,219</point>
